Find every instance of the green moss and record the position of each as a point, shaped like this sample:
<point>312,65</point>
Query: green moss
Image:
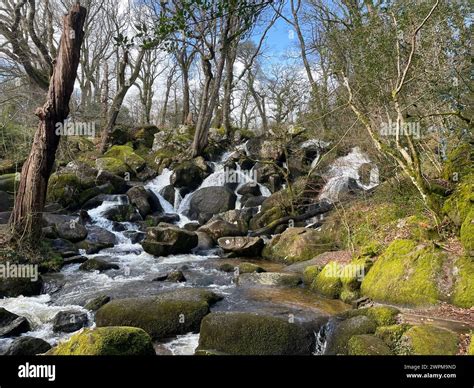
<point>9,182</point>
<point>406,273</point>
<point>461,202</point>
<point>391,334</point>
<point>107,341</point>
<point>126,155</point>
<point>467,234</point>
<point>113,165</point>
<point>459,162</point>
<point>463,295</point>
<point>367,345</point>
<point>381,315</point>
<point>266,217</point>
<point>470,350</point>
<point>296,244</point>
<point>251,334</point>
<point>327,282</point>
<point>250,268</point>
<point>310,273</point>
<point>348,296</point>
<point>429,340</point>
<point>65,189</point>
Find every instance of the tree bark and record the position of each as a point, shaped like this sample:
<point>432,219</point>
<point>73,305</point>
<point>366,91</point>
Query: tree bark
<point>27,213</point>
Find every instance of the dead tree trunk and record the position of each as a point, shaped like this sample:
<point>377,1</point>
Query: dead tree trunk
<point>27,213</point>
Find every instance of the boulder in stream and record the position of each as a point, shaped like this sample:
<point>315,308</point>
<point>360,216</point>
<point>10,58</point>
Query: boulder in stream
<point>164,241</point>
<point>12,324</point>
<point>208,201</point>
<point>27,346</point>
<point>242,246</point>
<point>69,321</point>
<point>97,264</point>
<point>272,279</point>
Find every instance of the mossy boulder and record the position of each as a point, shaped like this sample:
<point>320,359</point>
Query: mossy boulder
<point>126,154</point>
<point>467,234</point>
<point>381,315</point>
<point>343,331</point>
<point>188,176</point>
<point>367,345</point>
<point>296,244</point>
<point>461,202</point>
<point>144,135</point>
<point>9,182</point>
<point>459,162</point>
<point>27,346</point>
<point>272,279</point>
<point>113,165</point>
<point>463,295</point>
<point>407,273</point>
<point>13,287</point>
<point>327,282</point>
<point>250,268</point>
<point>65,189</point>
<point>266,217</point>
<point>106,341</point>
<point>470,350</point>
<point>310,273</point>
<point>161,316</point>
<point>391,334</point>
<point>427,340</point>
<point>240,333</point>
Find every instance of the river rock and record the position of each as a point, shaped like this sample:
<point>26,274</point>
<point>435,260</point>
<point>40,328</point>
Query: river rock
<point>168,192</point>
<point>97,265</point>
<point>208,201</point>
<point>155,220</point>
<point>69,321</point>
<point>205,242</point>
<point>107,341</point>
<point>250,188</point>
<point>97,239</point>
<point>74,260</point>
<point>27,346</point>
<point>169,241</point>
<point>253,201</point>
<point>187,176</point>
<point>71,231</point>
<point>161,316</point>
<point>240,333</point>
<point>6,201</point>
<point>13,287</point>
<point>134,236</point>
<point>220,228</point>
<point>12,324</point>
<point>97,303</point>
<point>272,279</point>
<point>343,331</point>
<point>139,197</point>
<point>297,244</point>
<point>242,246</point>
<point>122,213</point>
<point>119,184</point>
<point>367,345</point>
<point>250,268</point>
<point>174,277</point>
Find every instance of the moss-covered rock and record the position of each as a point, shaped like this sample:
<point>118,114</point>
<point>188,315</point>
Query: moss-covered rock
<point>266,217</point>
<point>467,234</point>
<point>391,334</point>
<point>345,330</point>
<point>367,345</point>
<point>381,315</point>
<point>13,287</point>
<point>427,340</point>
<point>328,281</point>
<point>65,189</point>
<point>461,202</point>
<point>241,333</point>
<point>470,350</point>
<point>310,273</point>
<point>126,154</point>
<point>250,268</point>
<point>406,273</point>
<point>161,316</point>
<point>113,165</point>
<point>272,279</point>
<point>106,341</point>
<point>459,162</point>
<point>296,244</point>
<point>463,295</point>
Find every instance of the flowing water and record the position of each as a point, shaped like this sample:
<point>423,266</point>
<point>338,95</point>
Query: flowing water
<point>71,288</point>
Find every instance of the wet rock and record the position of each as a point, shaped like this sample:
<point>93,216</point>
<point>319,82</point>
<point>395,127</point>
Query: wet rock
<point>187,176</point>
<point>13,287</point>
<point>74,260</point>
<point>161,316</point>
<point>168,192</point>
<point>272,279</point>
<point>220,228</point>
<point>97,265</point>
<point>249,268</point>
<point>192,226</point>
<point>97,239</point>
<point>169,241</point>
<point>71,231</point>
<point>6,201</point>
<point>169,218</point>
<point>226,267</point>
<point>174,277</point>
<point>209,201</point>
<point>69,321</point>
<point>121,213</point>
<point>12,324</point>
<point>242,246</point>
<point>135,236</point>
<point>253,201</point>
<point>139,197</point>
<point>53,219</point>
<point>242,333</point>
<point>27,346</point>
<point>205,242</point>
<point>96,303</point>
<point>342,333</point>
<point>250,188</point>
<point>107,341</point>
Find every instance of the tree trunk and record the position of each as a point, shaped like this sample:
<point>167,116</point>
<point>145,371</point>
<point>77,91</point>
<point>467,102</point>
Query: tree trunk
<point>27,214</point>
<point>186,108</point>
